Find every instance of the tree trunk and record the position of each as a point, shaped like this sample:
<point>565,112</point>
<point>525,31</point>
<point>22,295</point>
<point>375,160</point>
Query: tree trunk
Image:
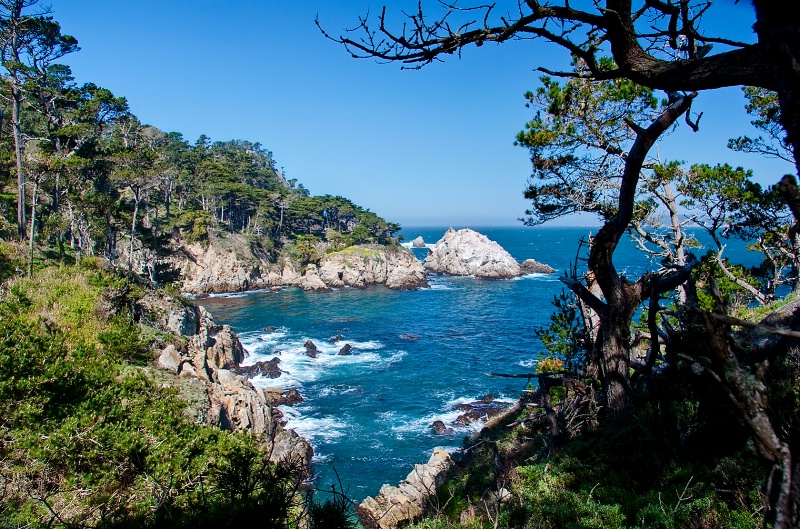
<point>33,228</point>
<point>133,228</point>
<point>16,105</point>
<point>777,29</point>
<point>623,297</point>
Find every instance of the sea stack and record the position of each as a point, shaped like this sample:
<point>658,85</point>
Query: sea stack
<point>467,252</point>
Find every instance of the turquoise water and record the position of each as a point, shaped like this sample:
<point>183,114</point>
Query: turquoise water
<point>415,354</point>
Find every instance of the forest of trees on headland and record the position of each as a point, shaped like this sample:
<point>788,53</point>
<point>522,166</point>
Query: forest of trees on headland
<point>82,176</point>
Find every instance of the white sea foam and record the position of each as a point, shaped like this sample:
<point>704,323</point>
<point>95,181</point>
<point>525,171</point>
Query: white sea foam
<point>228,295</point>
<point>299,368</point>
<point>536,275</point>
<point>313,429</point>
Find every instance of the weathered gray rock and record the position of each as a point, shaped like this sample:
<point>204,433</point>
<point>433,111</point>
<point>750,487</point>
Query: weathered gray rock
<point>231,402</point>
<point>532,266</point>
<point>418,242</point>
<point>227,351</point>
<point>467,252</point>
<point>169,313</point>
<point>406,502</point>
<point>362,265</point>
<point>311,279</point>
<point>170,359</point>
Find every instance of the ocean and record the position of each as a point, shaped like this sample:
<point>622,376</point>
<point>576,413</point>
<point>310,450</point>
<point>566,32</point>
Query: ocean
<point>416,354</point>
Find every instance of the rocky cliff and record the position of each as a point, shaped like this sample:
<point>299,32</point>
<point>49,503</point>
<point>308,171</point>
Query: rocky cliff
<point>362,265</point>
<point>467,252</point>
<point>203,371</point>
<point>408,501</point>
<point>228,264</point>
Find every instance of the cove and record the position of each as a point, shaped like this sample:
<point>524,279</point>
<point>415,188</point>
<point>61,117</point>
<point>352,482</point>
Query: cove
<point>415,354</point>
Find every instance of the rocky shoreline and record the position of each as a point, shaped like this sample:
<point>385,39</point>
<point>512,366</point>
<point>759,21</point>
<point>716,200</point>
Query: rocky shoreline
<point>204,365</point>
<point>229,264</point>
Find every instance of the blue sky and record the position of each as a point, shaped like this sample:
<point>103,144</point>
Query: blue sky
<point>429,147</point>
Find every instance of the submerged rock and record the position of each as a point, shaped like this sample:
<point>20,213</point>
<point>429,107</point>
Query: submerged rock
<point>345,351</point>
<point>335,339</point>
<point>479,410</point>
<point>467,252</point>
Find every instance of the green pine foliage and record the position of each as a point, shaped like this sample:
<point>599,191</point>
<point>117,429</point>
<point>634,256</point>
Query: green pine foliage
<point>89,437</point>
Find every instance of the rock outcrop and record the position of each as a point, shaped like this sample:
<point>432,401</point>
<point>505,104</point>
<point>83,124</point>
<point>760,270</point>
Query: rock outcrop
<point>230,401</point>
<point>168,313</point>
<point>467,252</point>
<point>532,266</point>
<point>268,368</point>
<point>229,264</point>
<point>419,242</point>
<point>406,502</point>
<point>362,265</point>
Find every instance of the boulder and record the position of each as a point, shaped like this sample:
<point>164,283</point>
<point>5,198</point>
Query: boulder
<point>345,351</point>
<point>267,369</point>
<point>335,339</point>
<point>467,252</point>
<point>311,349</point>
<point>395,506</point>
<point>311,279</point>
<point>282,397</point>
<point>170,359</point>
<point>440,428</point>
<point>227,351</point>
<point>222,398</point>
<point>236,405</point>
<point>418,242</point>
<point>532,266</point>
<point>483,409</point>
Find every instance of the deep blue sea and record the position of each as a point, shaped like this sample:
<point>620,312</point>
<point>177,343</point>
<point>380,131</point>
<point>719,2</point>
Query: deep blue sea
<point>416,354</point>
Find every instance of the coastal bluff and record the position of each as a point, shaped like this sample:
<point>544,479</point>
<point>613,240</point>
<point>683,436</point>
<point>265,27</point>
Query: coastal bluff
<point>230,264</point>
<point>202,365</point>
<point>469,253</point>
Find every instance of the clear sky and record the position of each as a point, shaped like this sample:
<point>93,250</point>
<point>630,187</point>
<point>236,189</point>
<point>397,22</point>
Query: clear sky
<point>429,147</point>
